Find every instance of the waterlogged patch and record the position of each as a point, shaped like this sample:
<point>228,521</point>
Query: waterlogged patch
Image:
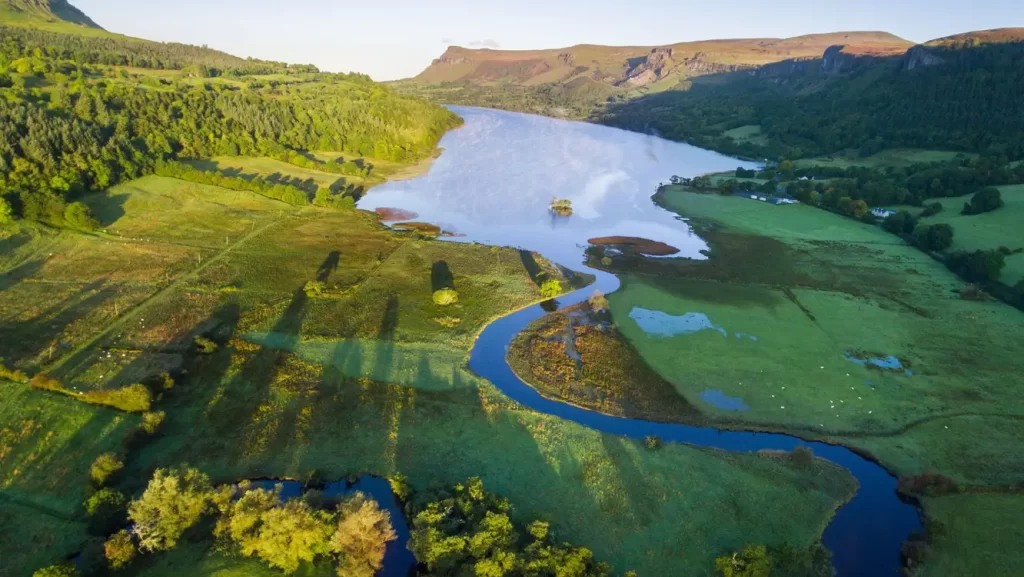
<point>886,362</point>
<point>742,336</point>
<point>720,400</point>
<point>663,324</point>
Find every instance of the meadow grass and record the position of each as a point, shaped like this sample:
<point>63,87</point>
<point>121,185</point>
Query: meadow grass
<point>47,443</point>
<point>898,157</point>
<point>979,534</point>
<point>750,133</point>
<point>31,538</point>
<point>812,303</point>
<point>814,289</point>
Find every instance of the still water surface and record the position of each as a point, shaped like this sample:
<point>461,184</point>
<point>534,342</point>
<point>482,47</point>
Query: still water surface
<point>493,185</point>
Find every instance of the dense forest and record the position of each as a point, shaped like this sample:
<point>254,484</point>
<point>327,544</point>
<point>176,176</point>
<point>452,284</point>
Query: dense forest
<point>70,122</point>
<point>968,100</point>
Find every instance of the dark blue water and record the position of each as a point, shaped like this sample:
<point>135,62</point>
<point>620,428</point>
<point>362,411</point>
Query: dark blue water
<point>398,560</point>
<point>866,534</point>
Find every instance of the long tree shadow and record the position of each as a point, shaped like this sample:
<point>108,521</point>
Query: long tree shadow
<point>441,276</point>
<point>532,268</point>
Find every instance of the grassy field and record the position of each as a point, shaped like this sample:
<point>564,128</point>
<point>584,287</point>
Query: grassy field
<point>969,524</point>
<point>367,375</point>
<point>885,158</point>
<point>990,230</point>
<point>819,292</point>
<point>750,133</point>
<point>786,317</point>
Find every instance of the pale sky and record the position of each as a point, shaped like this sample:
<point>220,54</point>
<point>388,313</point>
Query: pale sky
<point>394,39</point>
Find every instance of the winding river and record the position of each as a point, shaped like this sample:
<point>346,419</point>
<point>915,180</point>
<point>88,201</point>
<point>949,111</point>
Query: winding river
<point>493,185</point>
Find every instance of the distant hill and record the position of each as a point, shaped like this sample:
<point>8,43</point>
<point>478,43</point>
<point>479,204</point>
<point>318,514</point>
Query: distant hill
<point>996,36</point>
<point>644,66</point>
<point>43,12</point>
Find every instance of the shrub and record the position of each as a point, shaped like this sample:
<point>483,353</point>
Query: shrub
<point>445,297</point>
<point>46,382</point>
<point>598,302</point>
<point>400,486</point>
<point>936,237</point>
<point>61,570</point>
<point>1020,287</point>
<point>6,211</point>
<point>551,288</point>
<point>205,346</point>
<point>106,509</point>
<point>448,322</point>
<point>899,223</point>
<point>152,421</point>
<point>653,442</point>
<point>929,484</point>
<point>79,216</point>
<point>986,200</point>
<point>104,467</point>
<point>120,549</point>
<point>931,209</point>
<point>606,261</point>
<point>12,374</point>
<point>753,561</point>
<point>802,456</point>
<point>131,399</point>
<point>977,266</point>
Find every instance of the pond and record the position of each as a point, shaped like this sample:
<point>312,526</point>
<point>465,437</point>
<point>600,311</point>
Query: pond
<point>494,184</point>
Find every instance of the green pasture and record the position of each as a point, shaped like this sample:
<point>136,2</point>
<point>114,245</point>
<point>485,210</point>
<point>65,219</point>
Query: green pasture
<point>31,537</point>
<point>976,534</point>
<point>750,133</point>
<point>813,288</point>
<point>891,157</point>
<point>988,231</point>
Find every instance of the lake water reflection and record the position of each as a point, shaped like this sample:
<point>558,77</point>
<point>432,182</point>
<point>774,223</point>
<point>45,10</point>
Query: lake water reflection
<point>499,172</point>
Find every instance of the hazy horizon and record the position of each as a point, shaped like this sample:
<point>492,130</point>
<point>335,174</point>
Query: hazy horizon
<point>347,37</point>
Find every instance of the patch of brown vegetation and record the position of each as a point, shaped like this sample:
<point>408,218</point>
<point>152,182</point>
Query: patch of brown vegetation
<point>610,375</point>
<point>641,245</point>
<point>388,214</point>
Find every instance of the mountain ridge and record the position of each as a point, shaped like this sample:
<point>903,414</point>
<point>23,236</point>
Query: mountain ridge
<point>645,65</point>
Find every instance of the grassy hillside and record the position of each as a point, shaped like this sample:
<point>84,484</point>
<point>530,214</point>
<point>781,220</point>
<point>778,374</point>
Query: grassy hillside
<point>57,15</point>
<point>637,66</point>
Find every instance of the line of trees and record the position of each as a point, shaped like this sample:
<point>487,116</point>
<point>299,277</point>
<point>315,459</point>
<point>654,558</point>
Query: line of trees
<point>88,132</point>
<point>283,192</point>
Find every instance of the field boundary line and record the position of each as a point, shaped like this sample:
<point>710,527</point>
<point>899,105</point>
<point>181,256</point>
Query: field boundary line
<point>142,305</point>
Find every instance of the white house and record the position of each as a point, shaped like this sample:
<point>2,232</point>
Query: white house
<point>882,212</point>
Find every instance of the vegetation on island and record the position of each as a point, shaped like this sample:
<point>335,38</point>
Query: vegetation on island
<point>561,207</point>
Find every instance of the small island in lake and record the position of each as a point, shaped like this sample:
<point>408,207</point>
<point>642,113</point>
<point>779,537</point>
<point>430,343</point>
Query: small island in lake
<point>561,207</point>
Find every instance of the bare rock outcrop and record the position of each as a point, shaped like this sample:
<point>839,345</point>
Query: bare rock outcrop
<point>920,57</point>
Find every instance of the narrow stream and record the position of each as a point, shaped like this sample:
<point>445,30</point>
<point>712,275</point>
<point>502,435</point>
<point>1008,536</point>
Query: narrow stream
<point>866,534</point>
